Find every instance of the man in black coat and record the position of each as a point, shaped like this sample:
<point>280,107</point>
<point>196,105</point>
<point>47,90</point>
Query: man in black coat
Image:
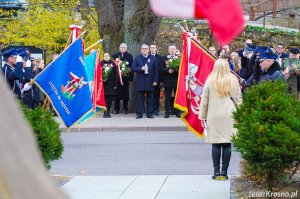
<point>123,90</point>
<point>170,78</point>
<point>156,92</point>
<point>146,68</point>
<point>10,72</point>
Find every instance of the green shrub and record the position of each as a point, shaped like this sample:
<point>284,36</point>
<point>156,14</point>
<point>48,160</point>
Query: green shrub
<point>268,124</point>
<point>47,132</point>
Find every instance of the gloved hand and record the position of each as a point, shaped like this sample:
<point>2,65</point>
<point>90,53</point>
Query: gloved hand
<point>26,88</point>
<point>245,83</point>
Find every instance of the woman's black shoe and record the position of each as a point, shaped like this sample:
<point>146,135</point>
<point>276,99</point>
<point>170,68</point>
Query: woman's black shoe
<point>216,175</point>
<point>224,175</point>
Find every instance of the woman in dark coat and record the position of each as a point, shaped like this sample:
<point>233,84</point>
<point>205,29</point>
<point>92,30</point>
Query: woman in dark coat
<point>110,81</point>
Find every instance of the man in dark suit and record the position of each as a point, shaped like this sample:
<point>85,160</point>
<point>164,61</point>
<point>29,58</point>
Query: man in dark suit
<point>281,55</point>
<point>156,92</point>
<point>170,78</point>
<point>146,68</point>
<point>123,90</point>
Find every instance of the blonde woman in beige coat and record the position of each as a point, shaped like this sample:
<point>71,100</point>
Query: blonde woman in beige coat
<point>221,94</point>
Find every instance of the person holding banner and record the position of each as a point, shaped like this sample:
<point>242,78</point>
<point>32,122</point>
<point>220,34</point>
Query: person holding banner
<point>110,81</point>
<point>221,94</point>
<point>123,87</point>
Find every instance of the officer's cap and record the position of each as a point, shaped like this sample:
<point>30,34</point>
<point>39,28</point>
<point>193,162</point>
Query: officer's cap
<point>266,55</point>
<point>9,52</point>
<point>263,49</point>
<point>250,47</point>
<point>22,53</point>
<point>294,51</point>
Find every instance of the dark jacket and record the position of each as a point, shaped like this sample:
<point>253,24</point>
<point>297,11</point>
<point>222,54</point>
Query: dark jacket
<point>112,80</point>
<point>273,73</point>
<point>160,64</point>
<point>144,82</point>
<point>14,78</point>
<point>169,80</point>
<point>123,91</point>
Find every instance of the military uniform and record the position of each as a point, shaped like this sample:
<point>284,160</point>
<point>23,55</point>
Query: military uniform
<point>292,80</point>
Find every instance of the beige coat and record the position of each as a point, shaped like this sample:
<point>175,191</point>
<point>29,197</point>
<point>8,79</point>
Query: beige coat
<point>217,111</point>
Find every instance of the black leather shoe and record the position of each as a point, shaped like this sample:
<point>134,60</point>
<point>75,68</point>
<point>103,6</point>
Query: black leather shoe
<point>167,115</point>
<point>117,112</point>
<point>138,117</point>
<point>216,175</point>
<point>224,175</point>
<point>150,116</point>
<point>108,116</point>
<point>126,112</point>
<point>156,113</point>
<point>178,115</point>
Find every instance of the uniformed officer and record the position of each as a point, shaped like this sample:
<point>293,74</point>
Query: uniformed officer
<point>270,68</point>
<point>24,68</point>
<point>146,68</point>
<point>10,72</point>
<point>291,67</point>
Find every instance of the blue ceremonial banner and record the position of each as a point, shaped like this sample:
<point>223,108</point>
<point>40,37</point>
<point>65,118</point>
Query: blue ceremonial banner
<point>65,82</point>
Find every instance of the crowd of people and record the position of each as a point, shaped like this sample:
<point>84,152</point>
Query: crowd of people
<point>152,74</point>
<point>19,69</point>
<point>251,64</point>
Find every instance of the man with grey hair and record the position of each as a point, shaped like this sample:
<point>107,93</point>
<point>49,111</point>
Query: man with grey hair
<point>146,69</point>
<point>123,90</point>
<point>170,77</point>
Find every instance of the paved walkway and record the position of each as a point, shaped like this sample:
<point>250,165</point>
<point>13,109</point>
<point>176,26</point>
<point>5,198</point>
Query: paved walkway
<point>129,123</point>
<point>142,186</point>
<point>147,187</point>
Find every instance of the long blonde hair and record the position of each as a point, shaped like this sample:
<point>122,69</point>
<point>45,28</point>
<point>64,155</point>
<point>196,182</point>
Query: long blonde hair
<point>221,78</point>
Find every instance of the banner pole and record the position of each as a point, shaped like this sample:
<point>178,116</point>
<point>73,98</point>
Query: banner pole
<point>93,45</point>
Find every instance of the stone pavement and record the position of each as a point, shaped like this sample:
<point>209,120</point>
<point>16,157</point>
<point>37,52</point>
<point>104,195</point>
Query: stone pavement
<point>147,187</point>
<point>129,123</point>
<point>142,186</point>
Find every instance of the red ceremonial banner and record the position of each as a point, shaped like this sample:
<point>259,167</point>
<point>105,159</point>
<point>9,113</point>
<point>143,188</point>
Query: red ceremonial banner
<point>196,65</point>
<point>98,99</point>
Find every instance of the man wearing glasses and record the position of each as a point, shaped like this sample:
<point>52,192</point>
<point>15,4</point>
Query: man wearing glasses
<point>9,71</point>
<point>281,56</point>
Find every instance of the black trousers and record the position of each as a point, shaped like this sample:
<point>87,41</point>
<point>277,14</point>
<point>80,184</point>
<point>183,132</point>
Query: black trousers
<point>168,99</point>
<point>217,150</point>
<point>140,101</point>
<point>108,101</point>
<point>156,98</point>
<point>117,105</point>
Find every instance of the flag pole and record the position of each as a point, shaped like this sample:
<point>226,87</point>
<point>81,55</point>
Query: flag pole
<point>32,81</point>
<point>93,45</point>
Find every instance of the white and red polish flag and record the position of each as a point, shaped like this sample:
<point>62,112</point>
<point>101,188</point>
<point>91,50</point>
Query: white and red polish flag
<point>225,17</point>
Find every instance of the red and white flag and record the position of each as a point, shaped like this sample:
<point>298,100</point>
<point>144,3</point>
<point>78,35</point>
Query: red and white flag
<point>196,65</point>
<point>225,17</point>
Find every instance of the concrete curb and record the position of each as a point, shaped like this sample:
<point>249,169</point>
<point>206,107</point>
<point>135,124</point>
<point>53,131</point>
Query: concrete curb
<point>118,129</point>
